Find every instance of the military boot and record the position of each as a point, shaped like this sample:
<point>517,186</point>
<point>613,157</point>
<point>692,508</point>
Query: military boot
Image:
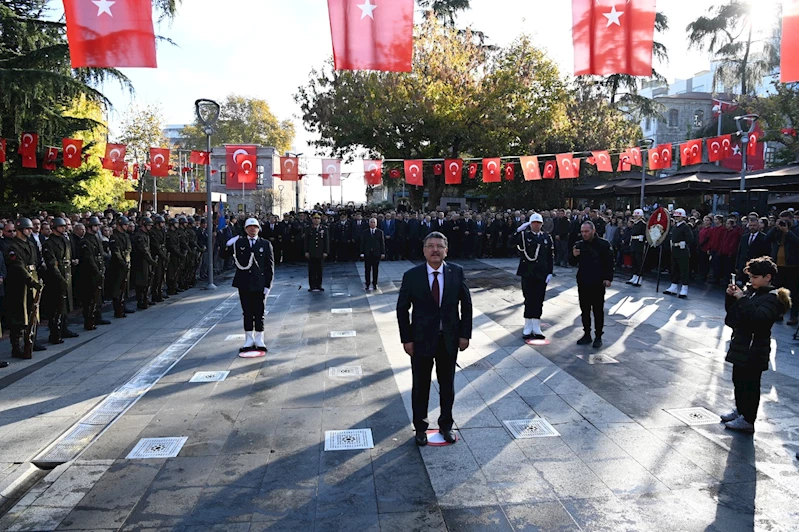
<point>55,330</point>
<point>16,348</point>
<point>119,308</point>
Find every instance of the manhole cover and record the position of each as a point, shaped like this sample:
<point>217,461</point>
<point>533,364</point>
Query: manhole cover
<point>480,364</point>
<point>598,359</point>
<point>209,376</point>
<point>341,311</point>
<point>157,448</point>
<point>695,416</point>
<point>345,371</point>
<point>342,334</point>
<point>234,337</point>
<point>531,428</point>
<point>345,440</point>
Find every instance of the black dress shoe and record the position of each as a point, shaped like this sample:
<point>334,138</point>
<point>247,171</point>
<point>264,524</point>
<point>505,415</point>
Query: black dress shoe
<point>3,364</point>
<point>527,337</point>
<point>449,435</point>
<point>597,342</point>
<point>130,311</point>
<point>421,439</point>
<point>68,334</point>
<point>39,347</point>
<point>102,321</point>
<point>539,337</point>
<point>321,289</point>
<point>585,340</point>
<point>56,341</point>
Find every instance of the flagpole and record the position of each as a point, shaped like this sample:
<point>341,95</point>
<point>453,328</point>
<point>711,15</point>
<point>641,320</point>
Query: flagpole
<point>746,135</point>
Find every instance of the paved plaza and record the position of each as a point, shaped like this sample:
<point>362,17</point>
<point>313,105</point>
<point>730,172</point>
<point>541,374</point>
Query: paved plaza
<point>604,441</point>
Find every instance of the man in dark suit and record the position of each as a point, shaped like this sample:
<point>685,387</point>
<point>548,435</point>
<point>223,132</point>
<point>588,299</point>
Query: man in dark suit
<point>753,245</point>
<point>255,270</point>
<point>441,324</point>
<point>389,228</point>
<point>414,242</point>
<point>373,250</point>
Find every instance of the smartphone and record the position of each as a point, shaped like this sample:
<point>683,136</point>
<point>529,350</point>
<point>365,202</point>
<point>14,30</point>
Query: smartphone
<point>732,279</point>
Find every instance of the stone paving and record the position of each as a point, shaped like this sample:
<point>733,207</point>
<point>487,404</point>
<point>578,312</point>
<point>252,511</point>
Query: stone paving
<point>254,455</point>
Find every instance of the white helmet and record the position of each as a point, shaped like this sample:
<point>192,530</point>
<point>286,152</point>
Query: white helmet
<point>252,221</point>
<point>638,212</point>
<point>536,218</point>
<point>680,212</point>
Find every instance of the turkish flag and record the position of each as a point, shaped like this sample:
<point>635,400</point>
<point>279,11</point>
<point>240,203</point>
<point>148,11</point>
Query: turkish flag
<point>413,173</point>
<point>200,157</point>
<point>719,148</point>
<point>720,107</point>
<point>438,169</point>
<point>2,150</point>
<point>691,152</point>
<point>394,173</point>
<point>613,36</point>
<point>454,175</point>
<point>331,172</point>
<point>289,168</point>
<point>530,168</point>
<point>234,155</point>
<point>72,149</point>
<point>28,143</point>
<point>602,159</point>
<point>492,173</point>
<point>510,171</point>
<point>114,157</point>
<point>789,61</point>
<point>549,169</point>
<point>635,156</point>
<point>373,172</point>
<point>29,160</point>
<point>751,148</point>
<point>624,162</point>
<point>791,132</point>
<point>472,170</point>
<point>373,35</point>
<point>246,173</point>
<point>660,157</point>
<point>159,162</point>
<point>567,167</point>
<point>50,158</point>
<point>110,34</point>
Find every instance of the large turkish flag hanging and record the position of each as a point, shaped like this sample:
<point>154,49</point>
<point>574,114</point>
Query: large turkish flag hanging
<point>789,59</point>
<point>567,167</point>
<point>530,168</point>
<point>413,172</point>
<point>235,156</point>
<point>159,162</point>
<point>454,174</point>
<point>28,143</point>
<point>613,36</point>
<point>49,158</point>
<point>72,149</point>
<point>373,172</point>
<point>492,172</point>
<point>109,34</point>
<point>372,35</point>
<point>246,172</point>
<point>114,157</point>
<point>331,172</point>
<point>290,168</point>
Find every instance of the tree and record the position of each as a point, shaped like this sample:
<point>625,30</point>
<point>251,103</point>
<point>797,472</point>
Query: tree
<point>777,112</point>
<point>461,100</point>
<point>40,92</point>
<point>445,10</point>
<point>746,51</point>
<point>244,121</point>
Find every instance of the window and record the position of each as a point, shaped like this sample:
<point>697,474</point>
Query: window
<point>770,155</point>
<point>674,115</point>
<point>223,174</point>
<point>648,124</point>
<point>259,175</point>
<point>699,118</point>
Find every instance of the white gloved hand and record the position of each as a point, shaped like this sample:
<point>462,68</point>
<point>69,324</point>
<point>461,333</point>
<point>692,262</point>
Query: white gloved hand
<point>232,241</point>
<point>549,278</point>
<point>522,227</point>
<point>266,292</point>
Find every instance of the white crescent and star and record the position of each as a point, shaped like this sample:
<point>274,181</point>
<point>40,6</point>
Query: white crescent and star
<point>115,151</point>
<point>334,167</point>
<point>414,168</point>
<point>371,168</point>
<point>104,6</point>
<point>156,158</point>
<point>288,165</point>
<point>666,154</point>
<point>25,138</point>
<point>530,165</point>
<point>71,150</point>
<point>237,153</point>
<point>246,166</point>
<point>490,164</point>
<point>455,169</point>
<point>736,150</point>
<point>715,146</point>
<point>367,9</point>
<point>613,17</point>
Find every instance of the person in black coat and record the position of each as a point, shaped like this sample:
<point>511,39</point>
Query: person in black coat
<point>594,258</point>
<point>373,250</point>
<point>753,245</point>
<point>439,326</point>
<point>255,271</point>
<point>751,313</point>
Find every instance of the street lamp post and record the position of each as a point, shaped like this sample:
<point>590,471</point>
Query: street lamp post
<point>745,135</point>
<point>646,145</point>
<point>207,114</point>
<point>296,183</point>
<point>280,199</point>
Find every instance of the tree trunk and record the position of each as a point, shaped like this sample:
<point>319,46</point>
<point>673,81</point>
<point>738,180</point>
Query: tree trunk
<point>435,188</point>
<point>745,61</point>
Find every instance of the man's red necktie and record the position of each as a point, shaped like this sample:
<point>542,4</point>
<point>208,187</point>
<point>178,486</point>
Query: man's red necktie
<point>436,289</point>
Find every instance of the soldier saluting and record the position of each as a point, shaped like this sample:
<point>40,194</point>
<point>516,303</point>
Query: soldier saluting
<point>317,248</point>
<point>637,243</point>
<point>22,286</point>
<point>255,270</point>
<point>535,268</point>
<point>57,254</point>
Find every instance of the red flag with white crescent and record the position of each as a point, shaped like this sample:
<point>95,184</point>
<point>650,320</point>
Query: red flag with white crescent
<point>331,172</point>
<point>566,166</point>
<point>550,168</point>
<point>373,172</point>
<point>72,149</point>
<point>660,157</point>
<point>530,168</point>
<point>510,171</point>
<point>159,162</point>
<point>691,152</point>
<point>438,169</point>
<point>751,148</point>
<point>114,157</point>
<point>472,170</point>
<point>789,60</point>
<point>234,157</point>
<point>290,168</point>
<point>2,150</point>
<point>635,156</point>
<point>394,173</point>
<point>247,172</point>
<point>719,148</point>
<point>492,170</point>
<point>454,171</point>
<point>413,172</point>
<point>624,162</point>
<point>200,157</point>
<point>602,159</point>
<point>50,158</point>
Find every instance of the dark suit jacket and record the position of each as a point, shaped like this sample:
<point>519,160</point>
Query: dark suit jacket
<point>423,325</point>
<point>746,252</point>
<point>372,247</point>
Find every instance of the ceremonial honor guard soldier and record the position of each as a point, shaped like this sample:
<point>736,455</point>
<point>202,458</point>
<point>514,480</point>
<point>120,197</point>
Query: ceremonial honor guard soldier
<point>317,248</point>
<point>92,272</point>
<point>255,270</point>
<point>637,243</point>
<point>22,286</point>
<point>57,253</point>
<point>535,268</point>
<point>681,238</point>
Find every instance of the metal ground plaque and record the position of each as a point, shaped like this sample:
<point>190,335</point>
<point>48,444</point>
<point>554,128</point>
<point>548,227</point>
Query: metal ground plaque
<point>157,448</point>
<point>598,359</point>
<point>342,334</point>
<point>345,371</point>
<point>234,337</point>
<point>341,310</point>
<point>209,376</point>
<point>348,440</point>
<point>695,416</point>
<point>531,428</point>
